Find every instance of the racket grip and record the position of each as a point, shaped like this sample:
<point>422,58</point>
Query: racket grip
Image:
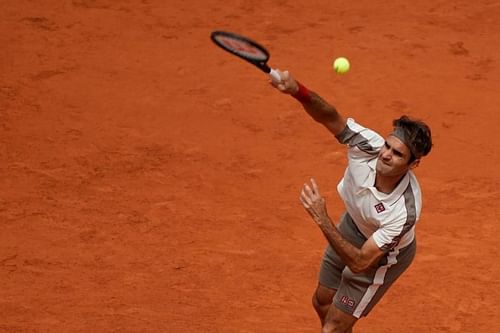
<point>275,76</point>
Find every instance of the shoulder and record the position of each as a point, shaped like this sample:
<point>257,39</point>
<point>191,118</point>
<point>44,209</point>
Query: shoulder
<point>408,205</point>
<point>413,193</point>
<point>360,139</point>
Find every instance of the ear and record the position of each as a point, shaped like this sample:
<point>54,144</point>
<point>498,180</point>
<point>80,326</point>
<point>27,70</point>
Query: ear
<point>414,164</point>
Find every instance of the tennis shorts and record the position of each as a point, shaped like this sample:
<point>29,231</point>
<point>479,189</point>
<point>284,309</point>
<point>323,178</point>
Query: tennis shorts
<point>357,294</point>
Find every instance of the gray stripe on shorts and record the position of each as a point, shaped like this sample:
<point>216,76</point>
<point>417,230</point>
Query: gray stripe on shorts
<point>377,281</point>
<point>411,218</point>
<point>397,262</point>
<point>355,139</point>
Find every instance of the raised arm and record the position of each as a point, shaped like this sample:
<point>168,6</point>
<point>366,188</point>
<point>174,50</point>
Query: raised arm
<point>320,110</point>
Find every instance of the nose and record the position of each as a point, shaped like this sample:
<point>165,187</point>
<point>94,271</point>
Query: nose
<point>386,154</point>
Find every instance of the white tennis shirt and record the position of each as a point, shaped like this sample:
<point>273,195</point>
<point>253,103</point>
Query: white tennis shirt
<point>388,218</point>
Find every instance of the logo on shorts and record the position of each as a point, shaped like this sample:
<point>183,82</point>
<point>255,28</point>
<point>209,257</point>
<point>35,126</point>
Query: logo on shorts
<point>347,301</point>
<point>379,207</point>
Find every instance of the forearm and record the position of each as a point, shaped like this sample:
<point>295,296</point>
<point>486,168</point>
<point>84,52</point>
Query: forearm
<point>320,110</point>
<point>357,259</point>
<point>350,254</point>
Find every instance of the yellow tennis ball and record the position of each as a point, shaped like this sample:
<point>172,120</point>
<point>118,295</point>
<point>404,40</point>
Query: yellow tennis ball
<point>341,65</point>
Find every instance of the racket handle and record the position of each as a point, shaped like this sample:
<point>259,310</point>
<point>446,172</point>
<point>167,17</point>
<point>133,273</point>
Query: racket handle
<point>275,76</point>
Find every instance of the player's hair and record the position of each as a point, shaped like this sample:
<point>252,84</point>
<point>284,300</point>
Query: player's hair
<point>415,134</point>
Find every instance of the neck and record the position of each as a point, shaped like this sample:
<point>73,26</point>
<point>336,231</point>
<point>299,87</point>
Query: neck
<point>387,184</point>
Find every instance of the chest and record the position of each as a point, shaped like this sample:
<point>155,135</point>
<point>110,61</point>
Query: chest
<point>370,209</point>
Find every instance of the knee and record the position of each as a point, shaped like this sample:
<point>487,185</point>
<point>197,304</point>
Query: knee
<point>332,327</point>
<point>329,328</point>
<point>315,301</point>
<point>322,297</point>
<point>319,302</point>
<point>338,322</point>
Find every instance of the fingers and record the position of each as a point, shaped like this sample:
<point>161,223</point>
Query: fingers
<point>285,76</point>
<point>315,187</point>
<point>282,85</point>
<point>305,198</point>
<point>275,83</point>
<point>286,84</point>
<point>314,203</point>
<point>308,190</point>
<point>279,85</point>
<point>305,202</point>
<point>308,195</point>
<point>314,190</point>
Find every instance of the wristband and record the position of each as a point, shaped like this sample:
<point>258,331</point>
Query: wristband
<point>302,95</point>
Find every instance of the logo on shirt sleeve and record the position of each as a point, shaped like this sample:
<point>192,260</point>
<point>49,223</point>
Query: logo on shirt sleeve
<point>379,207</point>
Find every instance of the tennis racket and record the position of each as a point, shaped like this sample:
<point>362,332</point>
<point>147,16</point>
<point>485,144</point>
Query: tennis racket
<point>245,49</point>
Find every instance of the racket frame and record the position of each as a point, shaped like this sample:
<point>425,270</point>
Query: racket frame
<point>260,63</point>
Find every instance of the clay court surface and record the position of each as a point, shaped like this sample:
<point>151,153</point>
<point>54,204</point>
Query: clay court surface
<point>149,181</point>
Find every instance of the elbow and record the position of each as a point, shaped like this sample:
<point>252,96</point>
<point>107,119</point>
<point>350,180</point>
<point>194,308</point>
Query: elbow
<point>359,266</point>
<point>329,122</point>
<point>357,269</point>
<point>320,118</point>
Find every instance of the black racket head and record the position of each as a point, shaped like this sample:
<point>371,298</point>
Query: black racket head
<point>242,47</point>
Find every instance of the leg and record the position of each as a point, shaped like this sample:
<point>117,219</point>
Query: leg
<point>330,278</point>
<point>322,300</point>
<point>337,321</point>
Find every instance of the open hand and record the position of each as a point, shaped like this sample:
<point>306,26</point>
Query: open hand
<point>314,203</point>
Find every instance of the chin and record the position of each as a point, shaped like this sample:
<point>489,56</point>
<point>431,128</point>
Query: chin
<point>383,170</point>
<point>379,168</point>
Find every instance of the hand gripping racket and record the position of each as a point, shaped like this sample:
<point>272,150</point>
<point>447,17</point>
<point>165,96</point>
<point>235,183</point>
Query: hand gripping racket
<point>245,49</point>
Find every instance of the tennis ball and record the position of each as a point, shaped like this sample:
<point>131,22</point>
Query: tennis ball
<point>341,65</point>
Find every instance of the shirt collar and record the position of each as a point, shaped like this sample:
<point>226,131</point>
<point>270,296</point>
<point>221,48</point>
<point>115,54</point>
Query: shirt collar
<point>389,198</point>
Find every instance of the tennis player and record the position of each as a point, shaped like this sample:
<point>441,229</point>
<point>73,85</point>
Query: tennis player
<point>374,243</point>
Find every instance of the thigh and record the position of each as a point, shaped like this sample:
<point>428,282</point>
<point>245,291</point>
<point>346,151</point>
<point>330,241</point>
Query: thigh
<point>324,295</point>
<point>332,266</point>
<point>330,271</point>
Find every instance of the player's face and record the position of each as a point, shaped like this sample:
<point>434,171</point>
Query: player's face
<point>393,158</point>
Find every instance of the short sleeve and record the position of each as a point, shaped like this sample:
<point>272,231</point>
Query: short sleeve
<point>363,142</point>
<point>389,235</point>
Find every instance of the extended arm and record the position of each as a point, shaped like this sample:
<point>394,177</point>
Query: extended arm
<point>315,106</point>
<point>358,260</point>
